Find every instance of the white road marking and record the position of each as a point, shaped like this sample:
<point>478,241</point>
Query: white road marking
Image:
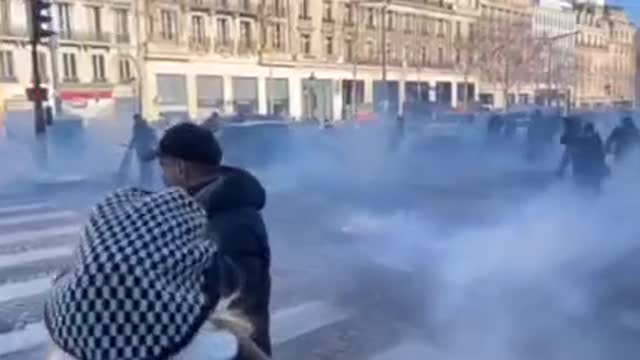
<point>407,351</point>
<point>40,234</point>
<point>34,255</point>
<point>17,290</point>
<point>25,207</point>
<point>287,324</point>
<point>30,218</point>
<point>31,336</point>
<point>292,322</point>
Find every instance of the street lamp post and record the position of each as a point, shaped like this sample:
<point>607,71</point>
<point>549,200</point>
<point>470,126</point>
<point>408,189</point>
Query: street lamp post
<point>549,44</point>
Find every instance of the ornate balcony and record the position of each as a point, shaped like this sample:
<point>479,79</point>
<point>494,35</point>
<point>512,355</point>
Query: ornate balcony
<point>200,44</point>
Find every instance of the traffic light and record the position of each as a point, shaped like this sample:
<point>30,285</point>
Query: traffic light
<point>40,20</point>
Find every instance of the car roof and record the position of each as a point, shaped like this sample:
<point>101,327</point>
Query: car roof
<point>251,123</point>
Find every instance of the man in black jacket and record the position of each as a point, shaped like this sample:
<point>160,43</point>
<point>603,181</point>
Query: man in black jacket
<point>190,157</point>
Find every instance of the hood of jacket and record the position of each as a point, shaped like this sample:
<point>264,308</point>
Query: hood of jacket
<point>232,189</point>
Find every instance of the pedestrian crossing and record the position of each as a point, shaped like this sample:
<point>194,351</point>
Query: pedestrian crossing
<point>37,239</point>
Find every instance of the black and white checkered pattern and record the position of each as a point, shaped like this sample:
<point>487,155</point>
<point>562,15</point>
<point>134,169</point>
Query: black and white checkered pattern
<point>135,290</point>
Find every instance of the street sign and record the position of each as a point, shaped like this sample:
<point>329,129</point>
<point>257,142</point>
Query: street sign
<point>40,94</point>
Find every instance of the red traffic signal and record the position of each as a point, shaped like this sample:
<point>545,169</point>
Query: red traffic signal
<point>37,94</point>
<point>40,20</point>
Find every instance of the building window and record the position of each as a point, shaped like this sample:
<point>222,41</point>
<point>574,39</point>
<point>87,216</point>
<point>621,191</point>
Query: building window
<point>97,61</point>
<point>223,30</point>
<point>390,20</point>
<point>369,50</point>
<point>64,20</point>
<point>327,11</point>
<point>423,56</point>
<point>328,45</point>
<point>246,37</point>
<point>168,24</point>
<point>124,71</point>
<point>306,44</point>
<point>5,15</point>
<point>69,67</point>
<point>122,25</point>
<point>408,23</point>
<point>440,56</point>
<point>197,29</point>
<point>278,36</point>
<point>95,19</point>
<point>349,14</point>
<point>7,70</point>
<point>348,50</point>
<point>371,18</point>
<point>304,9</point>
<point>440,28</point>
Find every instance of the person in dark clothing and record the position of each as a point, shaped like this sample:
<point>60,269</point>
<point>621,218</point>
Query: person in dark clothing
<point>589,166</point>
<point>623,139</point>
<point>143,141</point>
<point>495,127</point>
<point>212,122</point>
<point>190,158</point>
<point>568,140</point>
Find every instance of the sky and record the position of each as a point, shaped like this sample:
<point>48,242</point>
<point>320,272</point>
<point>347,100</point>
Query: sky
<point>631,6</point>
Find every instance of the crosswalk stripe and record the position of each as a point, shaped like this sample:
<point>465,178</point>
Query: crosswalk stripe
<point>290,323</point>
<point>41,217</point>
<point>26,207</point>
<point>34,255</point>
<point>287,324</point>
<point>12,291</point>
<point>29,235</point>
<point>407,351</point>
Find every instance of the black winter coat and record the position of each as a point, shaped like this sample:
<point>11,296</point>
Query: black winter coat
<point>233,202</point>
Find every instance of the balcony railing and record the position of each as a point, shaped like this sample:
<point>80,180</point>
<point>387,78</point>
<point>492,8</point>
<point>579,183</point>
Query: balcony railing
<point>123,38</point>
<point>276,11</point>
<point>165,38</point>
<point>305,22</point>
<point>17,32</point>
<point>247,47</point>
<point>200,44</point>
<point>202,4</point>
<point>242,7</point>
<point>247,7</point>
<point>90,36</point>
<point>223,46</point>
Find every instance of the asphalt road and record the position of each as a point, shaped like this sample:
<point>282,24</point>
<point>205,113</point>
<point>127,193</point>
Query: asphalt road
<point>333,297</point>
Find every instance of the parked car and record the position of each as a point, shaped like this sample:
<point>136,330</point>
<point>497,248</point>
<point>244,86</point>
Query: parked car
<point>255,143</point>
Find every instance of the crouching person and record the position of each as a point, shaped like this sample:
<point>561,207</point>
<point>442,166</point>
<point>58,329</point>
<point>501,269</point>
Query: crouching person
<point>141,286</point>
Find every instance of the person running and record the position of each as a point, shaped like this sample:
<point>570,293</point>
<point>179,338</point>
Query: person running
<point>568,140</point>
<point>623,139</point>
<point>190,158</point>
<point>143,285</point>
<point>589,166</point>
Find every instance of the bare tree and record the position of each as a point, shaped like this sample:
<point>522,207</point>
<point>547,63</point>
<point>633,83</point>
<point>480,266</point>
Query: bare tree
<point>508,53</point>
<point>469,54</point>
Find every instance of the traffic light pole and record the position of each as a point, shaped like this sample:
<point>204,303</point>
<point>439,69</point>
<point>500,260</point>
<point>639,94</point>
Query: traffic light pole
<point>38,113</point>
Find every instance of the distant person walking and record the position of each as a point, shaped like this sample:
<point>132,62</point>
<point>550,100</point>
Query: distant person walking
<point>623,139</point>
<point>212,122</point>
<point>143,141</point>
<point>190,158</point>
